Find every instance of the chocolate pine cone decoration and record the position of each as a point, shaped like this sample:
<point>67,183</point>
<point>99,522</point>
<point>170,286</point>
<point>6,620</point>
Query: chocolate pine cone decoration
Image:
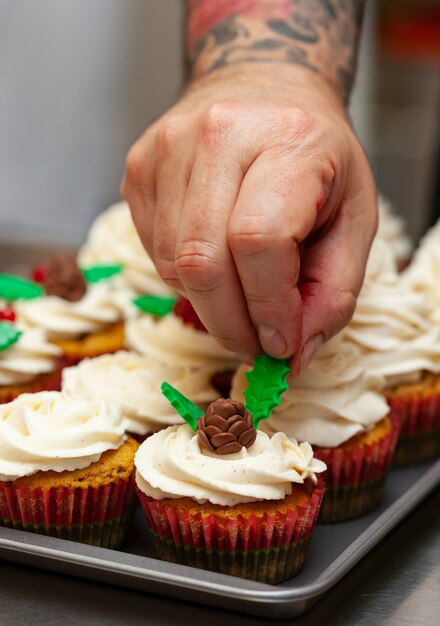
<point>226,427</point>
<point>64,278</point>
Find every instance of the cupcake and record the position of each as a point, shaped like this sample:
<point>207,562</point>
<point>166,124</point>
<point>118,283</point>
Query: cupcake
<point>66,468</point>
<point>423,275</point>
<point>393,326</point>
<point>133,381</point>
<point>28,362</point>
<point>180,339</point>
<point>228,498</point>
<point>391,229</point>
<point>84,319</point>
<point>336,406</point>
<point>113,238</point>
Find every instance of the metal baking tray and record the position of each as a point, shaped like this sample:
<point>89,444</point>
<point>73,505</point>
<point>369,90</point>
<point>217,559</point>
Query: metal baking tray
<point>334,550</point>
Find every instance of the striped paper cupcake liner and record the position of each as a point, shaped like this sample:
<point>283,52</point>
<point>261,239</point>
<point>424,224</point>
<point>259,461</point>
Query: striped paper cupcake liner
<point>267,546</point>
<point>356,476</point>
<point>420,435</point>
<point>44,382</point>
<point>97,516</point>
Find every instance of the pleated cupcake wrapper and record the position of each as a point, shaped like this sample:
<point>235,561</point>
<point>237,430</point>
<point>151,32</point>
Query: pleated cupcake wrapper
<point>356,476</point>
<point>362,463</point>
<point>49,510</point>
<point>420,435</point>
<point>69,361</point>
<point>50,383</point>
<point>417,414</point>
<point>268,547</point>
<point>248,531</point>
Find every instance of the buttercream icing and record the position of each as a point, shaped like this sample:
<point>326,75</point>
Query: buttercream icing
<point>113,238</point>
<point>171,341</point>
<point>30,356</point>
<point>172,464</point>
<point>50,430</point>
<point>133,381</point>
<point>329,402</point>
<point>105,303</point>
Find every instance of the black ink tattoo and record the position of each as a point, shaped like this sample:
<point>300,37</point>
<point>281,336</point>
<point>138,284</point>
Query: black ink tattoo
<point>320,35</point>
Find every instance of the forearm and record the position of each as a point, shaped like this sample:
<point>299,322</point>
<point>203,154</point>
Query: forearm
<point>320,36</point>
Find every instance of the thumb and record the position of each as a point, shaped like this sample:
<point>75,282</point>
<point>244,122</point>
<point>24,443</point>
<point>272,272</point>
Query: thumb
<point>332,271</point>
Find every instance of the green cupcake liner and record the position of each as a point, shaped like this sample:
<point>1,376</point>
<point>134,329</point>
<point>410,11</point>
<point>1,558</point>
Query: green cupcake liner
<point>108,534</point>
<point>266,566</point>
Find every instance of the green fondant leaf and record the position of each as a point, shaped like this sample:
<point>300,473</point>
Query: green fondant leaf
<point>155,305</point>
<point>185,408</point>
<point>9,335</point>
<point>13,287</point>
<point>267,383</point>
<point>95,273</point>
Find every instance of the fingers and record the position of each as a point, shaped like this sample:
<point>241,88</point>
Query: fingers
<point>155,183</point>
<point>139,188</point>
<point>332,271</point>
<point>175,161</point>
<point>275,210</point>
<point>203,259</point>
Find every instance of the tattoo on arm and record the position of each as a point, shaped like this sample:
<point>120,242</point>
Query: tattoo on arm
<point>320,35</point>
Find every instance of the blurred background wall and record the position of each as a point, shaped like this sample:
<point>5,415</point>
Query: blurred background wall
<point>81,79</point>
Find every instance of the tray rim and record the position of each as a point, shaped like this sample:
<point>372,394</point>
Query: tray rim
<point>142,569</point>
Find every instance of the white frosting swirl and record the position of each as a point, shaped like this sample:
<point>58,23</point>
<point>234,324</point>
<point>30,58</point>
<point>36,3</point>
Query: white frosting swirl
<point>330,402</point>
<point>391,324</point>
<point>171,341</point>
<point>113,238</point>
<point>52,431</point>
<point>172,464</point>
<point>391,229</point>
<point>30,356</point>
<point>423,275</point>
<point>133,382</point>
<point>103,304</point>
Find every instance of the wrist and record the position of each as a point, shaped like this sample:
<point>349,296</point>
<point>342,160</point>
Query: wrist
<point>292,85</point>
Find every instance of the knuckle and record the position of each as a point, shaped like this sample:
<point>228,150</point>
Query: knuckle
<point>134,167</point>
<point>344,306</point>
<point>167,137</point>
<point>299,121</point>
<point>252,238</point>
<point>217,123</point>
<point>167,271</point>
<point>198,266</point>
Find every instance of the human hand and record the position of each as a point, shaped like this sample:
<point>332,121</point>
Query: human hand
<point>255,200</point>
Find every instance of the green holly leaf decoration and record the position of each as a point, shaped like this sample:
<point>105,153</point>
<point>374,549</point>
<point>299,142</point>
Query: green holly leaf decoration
<point>267,383</point>
<point>13,287</point>
<point>159,306</point>
<point>9,335</point>
<point>185,408</point>
<point>96,273</point>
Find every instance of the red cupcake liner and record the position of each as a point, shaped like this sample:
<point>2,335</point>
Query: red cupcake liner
<point>420,435</point>
<point>417,414</point>
<point>69,512</point>
<point>348,466</point>
<point>265,546</point>
<point>50,383</point>
<point>69,361</point>
<point>356,476</point>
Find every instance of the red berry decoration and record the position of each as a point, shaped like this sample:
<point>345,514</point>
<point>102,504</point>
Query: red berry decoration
<point>184,309</point>
<point>39,273</point>
<point>7,314</point>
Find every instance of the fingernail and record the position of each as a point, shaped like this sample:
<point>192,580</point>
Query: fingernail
<point>311,347</point>
<point>271,340</point>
